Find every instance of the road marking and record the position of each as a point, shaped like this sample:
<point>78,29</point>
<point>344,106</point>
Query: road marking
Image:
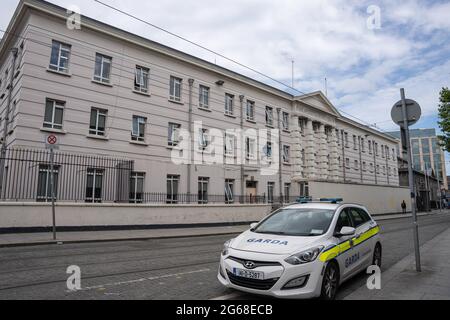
<point>112,284</point>
<point>228,296</point>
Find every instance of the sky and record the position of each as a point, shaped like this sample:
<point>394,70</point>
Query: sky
<point>367,50</point>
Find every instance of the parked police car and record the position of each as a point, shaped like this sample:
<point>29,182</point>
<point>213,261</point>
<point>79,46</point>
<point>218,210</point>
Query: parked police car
<point>303,250</point>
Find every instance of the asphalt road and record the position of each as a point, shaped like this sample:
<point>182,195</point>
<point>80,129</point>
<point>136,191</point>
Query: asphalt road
<point>183,268</point>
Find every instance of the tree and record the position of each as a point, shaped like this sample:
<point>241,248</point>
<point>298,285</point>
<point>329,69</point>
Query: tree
<point>444,118</point>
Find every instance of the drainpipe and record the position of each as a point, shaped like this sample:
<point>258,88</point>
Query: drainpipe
<point>8,109</point>
<point>386,154</point>
<point>191,141</point>
<point>343,155</point>
<point>280,164</point>
<point>360,158</point>
<point>242,155</point>
<point>375,161</point>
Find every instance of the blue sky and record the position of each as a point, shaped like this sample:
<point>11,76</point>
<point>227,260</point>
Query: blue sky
<point>365,67</point>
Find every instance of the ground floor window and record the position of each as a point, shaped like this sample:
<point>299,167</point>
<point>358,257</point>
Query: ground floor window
<point>287,192</point>
<point>172,188</point>
<point>270,189</point>
<point>229,190</point>
<point>44,191</point>
<point>137,187</point>
<point>203,190</point>
<point>94,185</point>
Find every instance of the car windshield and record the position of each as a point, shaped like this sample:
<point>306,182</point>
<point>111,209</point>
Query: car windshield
<point>297,222</point>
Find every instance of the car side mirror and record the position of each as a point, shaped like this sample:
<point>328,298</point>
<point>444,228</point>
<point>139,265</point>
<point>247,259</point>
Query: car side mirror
<point>345,231</point>
<point>253,225</point>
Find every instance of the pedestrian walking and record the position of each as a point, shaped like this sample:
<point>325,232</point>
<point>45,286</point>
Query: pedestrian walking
<point>404,206</point>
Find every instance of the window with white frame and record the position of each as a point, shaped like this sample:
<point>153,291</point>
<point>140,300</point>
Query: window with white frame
<point>229,144</point>
<point>173,135</point>
<point>172,188</point>
<point>269,116</point>
<point>138,130</point>
<point>203,190</point>
<point>229,104</point>
<point>136,187</point>
<point>97,125</point>
<point>141,79</point>
<point>285,121</point>
<point>53,116</point>
<point>44,191</point>
<point>94,185</point>
<point>250,148</point>
<point>267,150</point>
<point>250,110</point>
<point>175,89</point>
<point>229,190</point>
<point>203,97</point>
<point>102,68</point>
<point>286,154</point>
<point>59,58</point>
<point>203,138</point>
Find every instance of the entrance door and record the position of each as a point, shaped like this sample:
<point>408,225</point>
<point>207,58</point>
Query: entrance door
<point>251,191</point>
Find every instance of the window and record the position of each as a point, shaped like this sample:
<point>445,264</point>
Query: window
<point>173,135</point>
<point>172,188</point>
<point>203,190</point>
<point>356,165</point>
<point>270,189</point>
<point>286,154</point>
<point>364,165</point>
<point>382,151</point>
<point>53,117</point>
<point>141,79</point>
<point>44,191</point>
<point>229,190</point>
<point>356,217</point>
<point>269,116</point>
<point>97,124</point>
<point>137,187</point>
<point>343,221</point>
<point>346,139</point>
<point>94,184</point>
<point>250,148</point>
<point>370,146</point>
<point>204,97</point>
<point>229,104</point>
<point>376,149</point>
<point>355,143</point>
<point>304,189</point>
<point>384,169</point>
<point>371,167</point>
<point>229,144</point>
<point>287,192</point>
<point>102,68</point>
<point>285,121</point>
<point>338,137</point>
<point>250,111</point>
<point>393,154</point>
<point>267,150</point>
<point>175,89</point>
<point>363,147</point>
<point>59,59</point>
<point>138,130</point>
<point>347,162</point>
<point>203,139</point>
<point>378,169</point>
<point>302,125</point>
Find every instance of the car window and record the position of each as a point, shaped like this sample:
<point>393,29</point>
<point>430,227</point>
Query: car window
<point>363,213</point>
<point>343,221</point>
<point>356,217</point>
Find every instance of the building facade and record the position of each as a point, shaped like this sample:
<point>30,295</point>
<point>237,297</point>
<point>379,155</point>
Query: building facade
<point>427,154</point>
<point>103,91</point>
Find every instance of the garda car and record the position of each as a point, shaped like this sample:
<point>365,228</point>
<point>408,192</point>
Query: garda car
<point>303,250</point>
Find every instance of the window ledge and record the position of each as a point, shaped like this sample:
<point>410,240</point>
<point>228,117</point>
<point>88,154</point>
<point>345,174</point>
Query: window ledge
<point>64,74</point>
<point>140,143</point>
<point>251,121</point>
<point>204,109</point>
<point>287,163</point>
<point>287,130</point>
<point>270,126</point>
<point>93,136</point>
<point>106,84</point>
<point>229,115</point>
<point>171,147</point>
<point>176,102</point>
<point>141,93</point>
<point>60,131</point>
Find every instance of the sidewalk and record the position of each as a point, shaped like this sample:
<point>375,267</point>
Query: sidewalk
<point>24,239</point>
<point>402,282</point>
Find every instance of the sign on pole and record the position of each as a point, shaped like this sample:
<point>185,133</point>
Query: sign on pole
<point>405,113</point>
<point>51,143</point>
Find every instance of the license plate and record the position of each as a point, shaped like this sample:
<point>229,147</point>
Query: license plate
<point>248,274</point>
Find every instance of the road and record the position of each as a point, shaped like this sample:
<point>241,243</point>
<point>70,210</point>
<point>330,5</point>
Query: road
<point>183,268</point>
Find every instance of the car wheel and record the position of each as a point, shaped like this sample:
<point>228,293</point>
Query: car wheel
<point>376,261</point>
<point>330,282</point>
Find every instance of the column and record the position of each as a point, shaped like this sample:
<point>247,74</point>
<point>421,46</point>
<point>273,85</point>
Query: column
<point>297,149</point>
<point>310,161</point>
<point>323,153</point>
<point>334,155</point>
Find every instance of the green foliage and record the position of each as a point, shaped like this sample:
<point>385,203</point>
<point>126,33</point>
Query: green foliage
<point>444,118</point>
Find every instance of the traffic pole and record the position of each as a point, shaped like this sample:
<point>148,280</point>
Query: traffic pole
<point>411,182</point>
<point>52,187</point>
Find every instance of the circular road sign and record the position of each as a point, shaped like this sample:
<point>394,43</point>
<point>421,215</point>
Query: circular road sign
<point>413,112</point>
<point>51,139</point>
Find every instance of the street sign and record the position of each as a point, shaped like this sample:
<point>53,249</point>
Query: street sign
<point>51,142</point>
<point>413,112</point>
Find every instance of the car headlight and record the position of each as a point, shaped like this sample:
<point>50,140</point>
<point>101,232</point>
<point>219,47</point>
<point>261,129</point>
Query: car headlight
<point>304,256</point>
<point>226,245</point>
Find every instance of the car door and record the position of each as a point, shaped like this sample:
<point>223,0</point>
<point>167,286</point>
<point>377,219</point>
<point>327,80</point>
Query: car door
<point>362,246</point>
<point>346,251</point>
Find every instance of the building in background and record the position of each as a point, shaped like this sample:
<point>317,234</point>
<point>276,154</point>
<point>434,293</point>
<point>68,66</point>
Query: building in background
<point>426,153</point>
